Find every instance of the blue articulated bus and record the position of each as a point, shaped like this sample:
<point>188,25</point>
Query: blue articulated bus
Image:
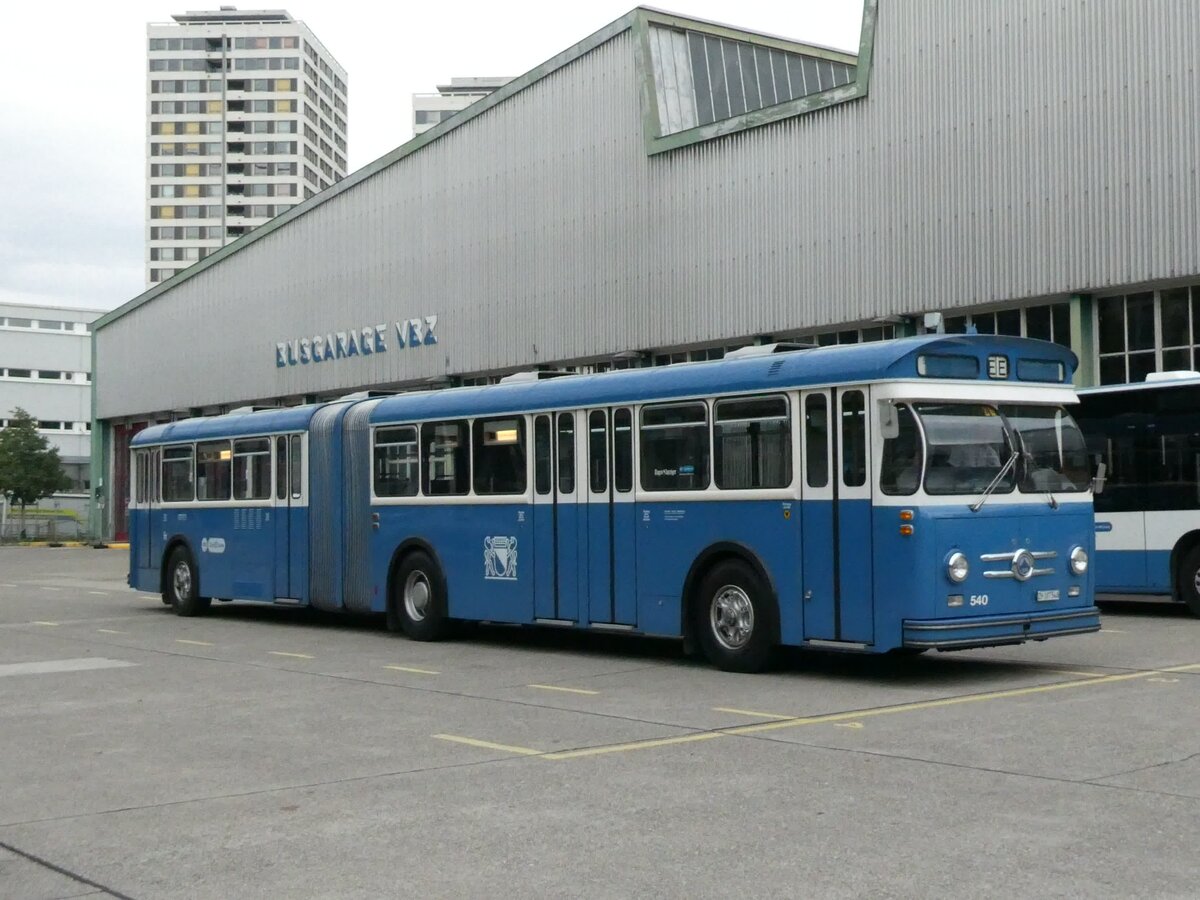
<point>1147,435</point>
<point>928,492</point>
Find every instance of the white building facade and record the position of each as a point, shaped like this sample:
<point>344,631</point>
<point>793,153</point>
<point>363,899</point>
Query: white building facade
<point>46,370</point>
<point>246,117</point>
<point>433,109</point>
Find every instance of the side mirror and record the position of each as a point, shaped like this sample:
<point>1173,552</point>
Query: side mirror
<point>889,421</point>
<point>1098,480</point>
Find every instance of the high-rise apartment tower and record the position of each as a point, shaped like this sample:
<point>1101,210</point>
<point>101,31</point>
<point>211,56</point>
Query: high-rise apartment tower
<point>246,117</point>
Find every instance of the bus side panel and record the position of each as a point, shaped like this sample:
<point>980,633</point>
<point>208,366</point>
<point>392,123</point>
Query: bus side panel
<point>143,567</point>
<point>209,531</point>
<point>907,586</point>
<point>298,553</point>
<point>249,552</point>
<point>1121,552</point>
<point>325,498</point>
<point>855,571</point>
<point>817,565</point>
<point>1163,532</point>
<point>675,533</point>
<point>486,551</point>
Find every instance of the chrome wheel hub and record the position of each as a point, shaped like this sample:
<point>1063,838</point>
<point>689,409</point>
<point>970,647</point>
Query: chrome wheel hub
<point>731,616</point>
<point>182,581</point>
<point>417,594</point>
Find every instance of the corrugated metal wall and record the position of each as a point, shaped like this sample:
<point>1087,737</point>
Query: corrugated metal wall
<point>1006,150</point>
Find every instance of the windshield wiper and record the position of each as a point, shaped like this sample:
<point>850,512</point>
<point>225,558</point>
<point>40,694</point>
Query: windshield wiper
<point>1004,470</point>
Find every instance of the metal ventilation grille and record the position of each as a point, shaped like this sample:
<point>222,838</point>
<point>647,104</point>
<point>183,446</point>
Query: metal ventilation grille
<point>701,79</point>
<point>775,367</point>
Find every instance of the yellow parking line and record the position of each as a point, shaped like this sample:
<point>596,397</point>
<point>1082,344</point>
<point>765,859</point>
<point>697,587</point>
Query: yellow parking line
<point>193,643</point>
<point>52,589</point>
<point>565,690</point>
<point>292,655</point>
<point>754,714</point>
<point>45,623</point>
<point>411,669</point>
<point>488,745</point>
<point>1076,672</point>
<point>110,631</point>
<point>635,745</point>
<point>953,701</point>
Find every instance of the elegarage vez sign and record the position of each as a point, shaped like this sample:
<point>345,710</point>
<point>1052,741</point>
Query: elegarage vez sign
<point>356,342</point>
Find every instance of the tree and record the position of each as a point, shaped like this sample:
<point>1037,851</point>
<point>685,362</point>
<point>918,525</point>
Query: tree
<point>29,467</point>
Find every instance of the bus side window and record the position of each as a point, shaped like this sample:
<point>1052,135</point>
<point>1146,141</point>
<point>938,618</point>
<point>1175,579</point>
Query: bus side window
<point>446,459</point>
<point>252,469</point>
<point>396,462</point>
<point>675,447</point>
<point>214,470</point>
<point>566,453</point>
<point>623,451</point>
<point>177,474</point>
<point>295,467</point>
<point>900,469</point>
<point>816,441</point>
<point>541,455</point>
<point>854,439</point>
<point>598,451</point>
<point>500,466</point>
<point>281,463</point>
<point>752,443</point>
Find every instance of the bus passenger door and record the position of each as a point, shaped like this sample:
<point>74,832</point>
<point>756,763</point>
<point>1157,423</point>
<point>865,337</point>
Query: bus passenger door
<point>283,521</point>
<point>609,573</point>
<point>569,522</point>
<point>836,523</point>
<point>545,525</point>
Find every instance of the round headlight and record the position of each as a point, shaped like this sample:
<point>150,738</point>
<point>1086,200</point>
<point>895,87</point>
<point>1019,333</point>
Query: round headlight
<point>1079,560</point>
<point>957,567</point>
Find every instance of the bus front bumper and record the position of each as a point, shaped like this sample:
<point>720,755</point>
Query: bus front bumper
<point>991,631</point>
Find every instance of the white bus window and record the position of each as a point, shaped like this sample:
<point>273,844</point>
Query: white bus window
<point>854,439</point>
<point>752,443</point>
<point>296,466</point>
<point>499,456</point>
<point>623,451</point>
<point>674,445</point>
<point>177,474</point>
<point>566,453</point>
<point>252,469</point>
<point>213,470</point>
<point>816,441</point>
<point>598,451</point>
<point>542,477</point>
<point>446,459</point>
<point>397,462</point>
<point>281,464</point>
<point>900,469</point>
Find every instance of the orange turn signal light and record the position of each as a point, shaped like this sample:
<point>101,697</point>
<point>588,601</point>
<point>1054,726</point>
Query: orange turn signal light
<point>906,515</point>
<point>906,530</point>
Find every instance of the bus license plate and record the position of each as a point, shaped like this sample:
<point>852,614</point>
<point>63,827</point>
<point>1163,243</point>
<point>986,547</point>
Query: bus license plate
<point>1047,596</point>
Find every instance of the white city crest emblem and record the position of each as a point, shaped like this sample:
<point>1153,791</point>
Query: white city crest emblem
<point>500,557</point>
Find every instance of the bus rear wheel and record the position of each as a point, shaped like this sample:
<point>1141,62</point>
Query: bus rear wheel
<point>418,601</point>
<point>1188,579</point>
<point>735,618</point>
<point>182,586</point>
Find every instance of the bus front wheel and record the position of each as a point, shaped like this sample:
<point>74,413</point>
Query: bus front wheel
<point>1189,580</point>
<point>183,585</point>
<point>735,618</point>
<point>418,603</point>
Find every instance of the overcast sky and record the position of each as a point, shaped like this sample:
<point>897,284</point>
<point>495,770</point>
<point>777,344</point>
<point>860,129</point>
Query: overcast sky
<point>73,109</point>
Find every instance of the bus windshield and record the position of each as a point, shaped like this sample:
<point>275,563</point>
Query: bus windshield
<point>968,444</point>
<point>1053,452</point>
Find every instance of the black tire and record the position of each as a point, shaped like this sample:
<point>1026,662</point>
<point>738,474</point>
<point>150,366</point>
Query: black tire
<point>1188,579</point>
<point>181,584</point>
<point>417,605</point>
<point>735,618</point>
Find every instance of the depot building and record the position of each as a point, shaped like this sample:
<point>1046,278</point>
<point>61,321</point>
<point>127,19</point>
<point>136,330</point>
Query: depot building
<point>669,188</point>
